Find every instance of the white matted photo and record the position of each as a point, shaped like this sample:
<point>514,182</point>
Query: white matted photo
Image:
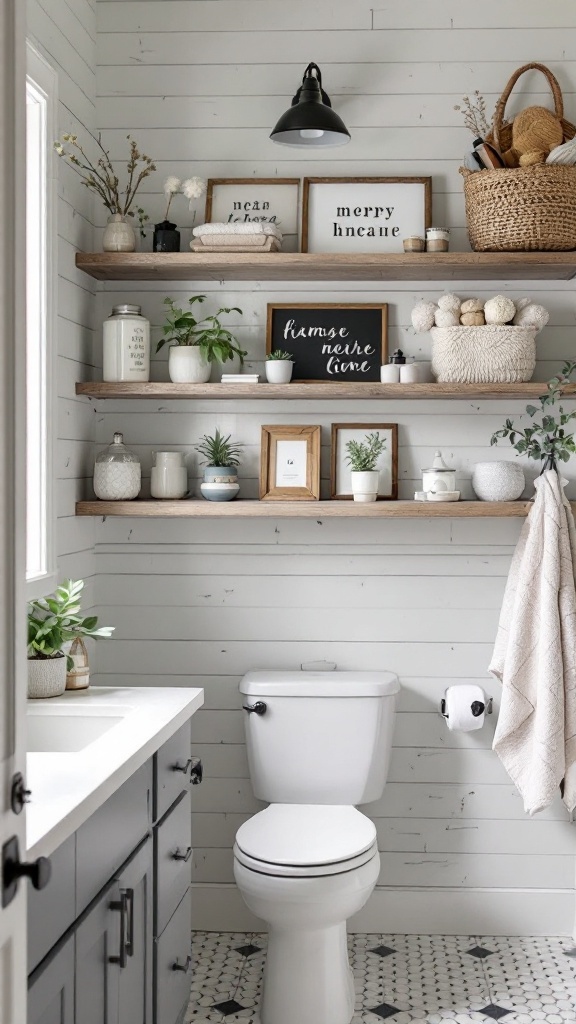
<point>387,465</point>
<point>290,463</point>
<point>366,215</point>
<point>256,200</point>
<point>291,457</point>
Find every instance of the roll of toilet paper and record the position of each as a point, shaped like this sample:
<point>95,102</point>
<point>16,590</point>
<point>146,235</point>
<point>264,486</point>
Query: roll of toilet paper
<point>459,707</point>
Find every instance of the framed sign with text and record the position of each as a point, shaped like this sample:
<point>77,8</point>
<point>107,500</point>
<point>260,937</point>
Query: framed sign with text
<point>330,341</point>
<point>368,215</point>
<point>256,200</point>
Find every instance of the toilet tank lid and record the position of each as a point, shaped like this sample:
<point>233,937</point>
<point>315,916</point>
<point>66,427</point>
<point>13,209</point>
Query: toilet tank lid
<point>320,684</point>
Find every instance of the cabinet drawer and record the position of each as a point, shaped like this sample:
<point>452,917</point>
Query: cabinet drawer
<point>173,852</point>
<point>51,991</point>
<point>172,770</point>
<point>52,910</point>
<point>173,951</point>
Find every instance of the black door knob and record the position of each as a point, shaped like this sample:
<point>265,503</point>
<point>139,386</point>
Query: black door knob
<point>38,871</point>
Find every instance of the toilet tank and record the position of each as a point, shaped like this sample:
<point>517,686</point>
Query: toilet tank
<point>324,737</point>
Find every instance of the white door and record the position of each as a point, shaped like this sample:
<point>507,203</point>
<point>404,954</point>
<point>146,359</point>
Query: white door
<point>12,498</point>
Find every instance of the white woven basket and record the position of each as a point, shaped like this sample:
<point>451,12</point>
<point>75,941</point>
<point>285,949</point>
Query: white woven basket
<point>483,355</point>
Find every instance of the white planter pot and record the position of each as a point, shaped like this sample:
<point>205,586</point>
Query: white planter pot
<point>279,371</point>
<point>118,235</point>
<point>365,486</point>
<point>46,677</point>
<point>498,481</point>
<point>186,365</point>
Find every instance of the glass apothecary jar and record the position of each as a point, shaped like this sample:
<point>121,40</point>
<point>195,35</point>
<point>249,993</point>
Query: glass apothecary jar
<point>117,472</point>
<point>126,344</point>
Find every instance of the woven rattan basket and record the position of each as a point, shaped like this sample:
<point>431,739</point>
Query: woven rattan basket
<point>492,354</point>
<point>522,209</point>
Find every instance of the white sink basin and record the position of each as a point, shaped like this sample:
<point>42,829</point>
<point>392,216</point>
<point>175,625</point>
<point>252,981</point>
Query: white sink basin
<point>65,731</point>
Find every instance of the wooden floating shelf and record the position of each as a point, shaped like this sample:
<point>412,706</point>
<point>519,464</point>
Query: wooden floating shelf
<point>318,392</point>
<point>201,509</point>
<point>296,266</point>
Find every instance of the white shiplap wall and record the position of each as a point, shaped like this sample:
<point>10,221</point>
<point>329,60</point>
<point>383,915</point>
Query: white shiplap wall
<point>65,33</point>
<point>200,84</point>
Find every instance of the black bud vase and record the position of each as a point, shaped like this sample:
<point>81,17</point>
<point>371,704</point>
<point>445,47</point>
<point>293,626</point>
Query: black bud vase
<point>166,237</point>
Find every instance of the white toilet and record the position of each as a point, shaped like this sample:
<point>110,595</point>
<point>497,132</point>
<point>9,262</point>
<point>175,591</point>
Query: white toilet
<point>318,743</point>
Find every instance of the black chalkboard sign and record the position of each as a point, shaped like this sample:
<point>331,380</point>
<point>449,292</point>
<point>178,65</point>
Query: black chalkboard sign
<point>332,341</point>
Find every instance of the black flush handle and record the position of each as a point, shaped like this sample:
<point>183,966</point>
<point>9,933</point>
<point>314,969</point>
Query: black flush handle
<point>182,767</point>
<point>182,967</point>
<point>182,856</point>
<point>259,708</point>
<point>477,707</point>
<point>196,772</point>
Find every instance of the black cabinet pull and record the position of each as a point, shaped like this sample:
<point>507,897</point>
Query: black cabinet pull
<point>182,767</point>
<point>130,915</point>
<point>182,967</point>
<point>38,871</point>
<point>122,906</point>
<point>182,856</point>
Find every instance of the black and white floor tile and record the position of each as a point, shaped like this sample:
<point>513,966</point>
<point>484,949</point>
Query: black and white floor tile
<point>429,979</point>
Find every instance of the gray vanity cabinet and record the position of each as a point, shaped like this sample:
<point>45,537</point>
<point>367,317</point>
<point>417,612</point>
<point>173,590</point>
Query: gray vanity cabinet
<point>51,992</point>
<point>135,978</point>
<point>97,939</point>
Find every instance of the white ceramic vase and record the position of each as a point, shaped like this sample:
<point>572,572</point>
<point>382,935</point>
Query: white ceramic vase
<point>498,481</point>
<point>279,371</point>
<point>365,485</point>
<point>186,365</point>
<point>119,235</point>
<point>46,677</point>
<point>168,477</point>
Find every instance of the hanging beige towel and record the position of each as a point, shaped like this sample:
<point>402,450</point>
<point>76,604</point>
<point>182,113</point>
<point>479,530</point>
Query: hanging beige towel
<point>535,654</point>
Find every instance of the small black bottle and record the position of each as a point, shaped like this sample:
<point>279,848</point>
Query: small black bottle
<point>166,237</point>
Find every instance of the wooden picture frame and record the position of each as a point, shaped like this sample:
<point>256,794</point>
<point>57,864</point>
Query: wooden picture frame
<point>378,215</point>
<point>310,359</point>
<point>290,452</point>
<point>388,483</point>
<point>243,199</point>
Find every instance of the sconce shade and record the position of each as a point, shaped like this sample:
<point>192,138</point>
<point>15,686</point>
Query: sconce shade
<point>310,121</point>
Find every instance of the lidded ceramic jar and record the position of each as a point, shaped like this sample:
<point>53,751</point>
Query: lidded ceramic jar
<point>117,472</point>
<point>126,344</point>
<point>439,476</point>
<point>168,477</point>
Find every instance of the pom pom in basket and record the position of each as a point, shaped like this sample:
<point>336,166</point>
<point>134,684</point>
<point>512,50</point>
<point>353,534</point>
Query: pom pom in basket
<point>483,355</point>
<point>522,209</point>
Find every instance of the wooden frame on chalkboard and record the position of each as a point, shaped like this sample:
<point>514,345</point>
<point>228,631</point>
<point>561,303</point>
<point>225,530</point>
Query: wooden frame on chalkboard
<point>379,342</point>
<point>379,232</point>
<point>244,199</point>
<point>290,463</point>
<point>388,481</point>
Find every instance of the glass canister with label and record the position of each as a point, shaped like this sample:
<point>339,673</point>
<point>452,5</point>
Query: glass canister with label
<point>126,345</point>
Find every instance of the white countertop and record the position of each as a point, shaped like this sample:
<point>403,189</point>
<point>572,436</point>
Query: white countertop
<point>67,788</point>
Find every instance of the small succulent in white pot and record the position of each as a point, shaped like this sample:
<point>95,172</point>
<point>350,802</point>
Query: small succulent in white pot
<point>221,460</point>
<point>53,622</point>
<point>363,458</point>
<point>279,367</point>
<point>196,343</point>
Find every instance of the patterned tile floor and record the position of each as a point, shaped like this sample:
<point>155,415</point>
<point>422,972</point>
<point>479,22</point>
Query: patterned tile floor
<point>430,979</point>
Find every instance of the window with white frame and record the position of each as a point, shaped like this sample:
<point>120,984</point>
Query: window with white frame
<point>41,271</point>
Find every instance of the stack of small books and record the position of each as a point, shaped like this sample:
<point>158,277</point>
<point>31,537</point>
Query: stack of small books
<point>240,378</point>
<point>235,237</point>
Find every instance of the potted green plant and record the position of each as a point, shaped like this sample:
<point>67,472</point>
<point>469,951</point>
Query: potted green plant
<point>196,344</point>
<point>221,459</point>
<point>279,367</point>
<point>52,623</point>
<point>363,459</point>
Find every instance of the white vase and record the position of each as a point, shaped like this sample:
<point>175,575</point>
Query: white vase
<point>46,677</point>
<point>365,485</point>
<point>187,365</point>
<point>279,371</point>
<point>168,477</point>
<point>118,235</point>
<point>498,481</point>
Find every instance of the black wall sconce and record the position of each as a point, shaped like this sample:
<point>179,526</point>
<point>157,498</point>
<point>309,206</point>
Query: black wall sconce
<point>310,121</point>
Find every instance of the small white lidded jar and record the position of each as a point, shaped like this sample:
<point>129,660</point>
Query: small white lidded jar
<point>126,345</point>
<point>438,477</point>
<point>168,476</point>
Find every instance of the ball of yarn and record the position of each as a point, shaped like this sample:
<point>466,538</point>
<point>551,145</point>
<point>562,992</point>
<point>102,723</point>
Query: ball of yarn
<point>423,316</point>
<point>538,156</point>
<point>520,303</point>
<point>473,319</point>
<point>449,302</point>
<point>499,310</point>
<point>536,129</point>
<point>532,315</point>
<point>446,318</point>
<point>472,306</point>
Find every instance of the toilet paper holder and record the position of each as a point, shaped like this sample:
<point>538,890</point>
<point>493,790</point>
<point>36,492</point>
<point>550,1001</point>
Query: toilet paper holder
<point>477,707</point>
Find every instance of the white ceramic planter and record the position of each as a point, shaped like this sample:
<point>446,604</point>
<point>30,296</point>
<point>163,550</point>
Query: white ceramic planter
<point>118,235</point>
<point>365,486</point>
<point>186,365</point>
<point>279,371</point>
<point>498,481</point>
<point>46,677</point>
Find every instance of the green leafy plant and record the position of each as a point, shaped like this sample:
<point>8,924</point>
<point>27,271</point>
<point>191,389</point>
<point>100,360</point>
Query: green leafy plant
<point>363,455</point>
<point>54,621</point>
<point>546,439</point>
<point>219,451</point>
<point>208,334</point>
<point>279,354</point>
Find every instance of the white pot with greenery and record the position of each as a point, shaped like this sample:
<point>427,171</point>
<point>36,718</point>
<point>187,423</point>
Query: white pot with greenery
<point>221,461</point>
<point>54,622</point>
<point>363,459</point>
<point>279,367</point>
<point>196,343</point>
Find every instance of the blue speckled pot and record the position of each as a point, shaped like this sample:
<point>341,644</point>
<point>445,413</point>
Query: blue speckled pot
<point>220,483</point>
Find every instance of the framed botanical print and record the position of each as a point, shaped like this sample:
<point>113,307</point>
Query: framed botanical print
<point>256,200</point>
<point>290,463</point>
<point>387,465</point>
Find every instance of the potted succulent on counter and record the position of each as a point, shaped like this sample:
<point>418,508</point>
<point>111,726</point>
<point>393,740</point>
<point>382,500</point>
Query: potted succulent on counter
<point>221,459</point>
<point>52,623</point>
<point>279,367</point>
<point>196,344</point>
<point>363,458</point>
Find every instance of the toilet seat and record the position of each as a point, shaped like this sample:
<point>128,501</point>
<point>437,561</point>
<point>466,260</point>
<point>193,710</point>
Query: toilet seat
<point>305,840</point>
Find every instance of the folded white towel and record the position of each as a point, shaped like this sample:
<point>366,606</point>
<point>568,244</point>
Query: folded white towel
<point>255,241</point>
<point>236,228</point>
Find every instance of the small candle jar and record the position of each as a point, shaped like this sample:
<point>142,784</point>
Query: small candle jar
<point>414,244</point>
<point>438,476</point>
<point>437,239</point>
